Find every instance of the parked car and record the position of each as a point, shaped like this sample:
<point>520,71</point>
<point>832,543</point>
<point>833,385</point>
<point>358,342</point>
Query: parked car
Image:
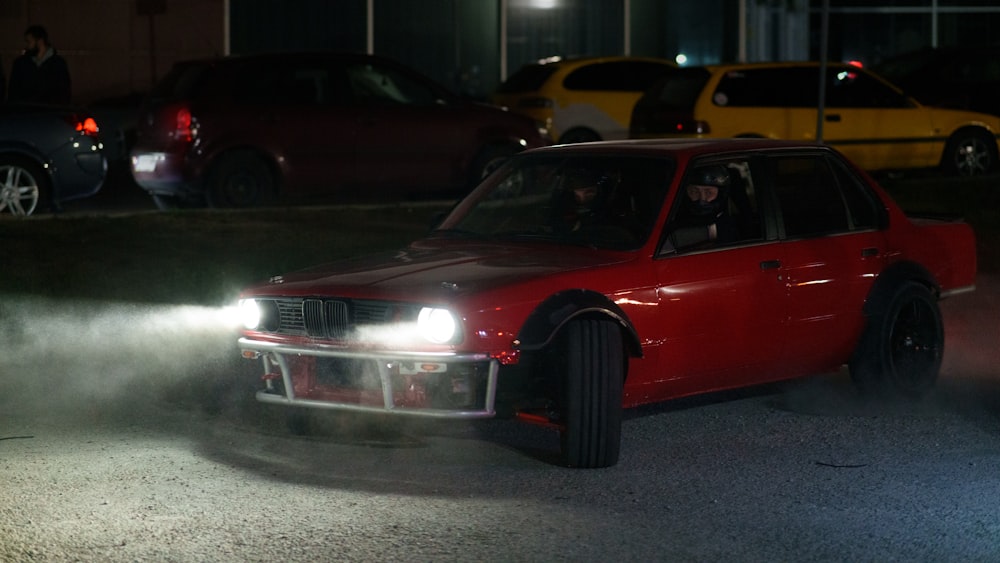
<point>578,280</point>
<point>953,77</point>
<point>48,155</point>
<point>871,121</point>
<point>244,130</point>
<point>581,99</point>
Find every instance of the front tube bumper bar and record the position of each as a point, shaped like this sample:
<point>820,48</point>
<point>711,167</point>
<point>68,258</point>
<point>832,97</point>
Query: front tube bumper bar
<point>273,355</point>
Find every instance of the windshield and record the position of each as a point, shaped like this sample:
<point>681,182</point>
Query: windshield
<point>598,201</point>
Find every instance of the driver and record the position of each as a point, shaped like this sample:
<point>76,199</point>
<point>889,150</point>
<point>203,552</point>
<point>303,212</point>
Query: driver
<point>704,215</point>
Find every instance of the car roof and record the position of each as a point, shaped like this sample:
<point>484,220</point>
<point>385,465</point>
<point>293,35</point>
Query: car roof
<point>691,147</point>
<point>587,59</point>
<point>282,55</point>
<point>781,64</point>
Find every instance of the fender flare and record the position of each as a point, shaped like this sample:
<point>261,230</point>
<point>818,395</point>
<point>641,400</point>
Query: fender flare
<point>31,153</point>
<point>552,314</point>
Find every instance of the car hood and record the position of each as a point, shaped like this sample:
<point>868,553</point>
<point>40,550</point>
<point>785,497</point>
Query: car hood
<point>434,270</point>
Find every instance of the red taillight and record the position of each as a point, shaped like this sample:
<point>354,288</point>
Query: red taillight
<point>183,130</point>
<point>87,126</point>
<point>692,127</point>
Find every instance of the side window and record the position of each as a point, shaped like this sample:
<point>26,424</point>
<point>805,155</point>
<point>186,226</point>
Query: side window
<point>372,84</point>
<point>853,88</point>
<point>865,211</point>
<point>808,196</point>
<point>717,206</point>
<point>622,76</point>
<point>768,87</point>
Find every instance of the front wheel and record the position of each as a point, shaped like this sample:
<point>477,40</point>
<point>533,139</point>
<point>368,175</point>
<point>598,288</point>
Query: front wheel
<point>902,346</point>
<point>593,374</point>
<point>970,152</point>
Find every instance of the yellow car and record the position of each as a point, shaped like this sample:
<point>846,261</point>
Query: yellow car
<point>581,99</point>
<point>868,119</point>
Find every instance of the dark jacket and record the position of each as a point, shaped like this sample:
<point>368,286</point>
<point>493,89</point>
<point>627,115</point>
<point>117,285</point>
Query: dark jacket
<point>45,83</point>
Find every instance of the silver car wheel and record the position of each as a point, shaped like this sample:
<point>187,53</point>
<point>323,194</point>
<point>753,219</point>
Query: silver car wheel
<point>19,190</point>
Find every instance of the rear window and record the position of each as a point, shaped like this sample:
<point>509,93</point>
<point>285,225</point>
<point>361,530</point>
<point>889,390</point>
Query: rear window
<point>528,78</point>
<point>616,76</point>
<point>679,90</point>
<point>184,81</point>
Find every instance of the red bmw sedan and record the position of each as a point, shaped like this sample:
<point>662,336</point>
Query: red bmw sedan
<point>580,280</point>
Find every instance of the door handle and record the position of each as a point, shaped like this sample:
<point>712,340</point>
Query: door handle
<point>770,264</point>
<point>832,117</point>
<point>869,252</point>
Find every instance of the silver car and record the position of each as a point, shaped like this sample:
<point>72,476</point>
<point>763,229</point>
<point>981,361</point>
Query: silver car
<point>48,155</point>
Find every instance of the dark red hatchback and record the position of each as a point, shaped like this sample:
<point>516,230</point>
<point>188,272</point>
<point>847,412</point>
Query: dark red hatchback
<point>247,130</point>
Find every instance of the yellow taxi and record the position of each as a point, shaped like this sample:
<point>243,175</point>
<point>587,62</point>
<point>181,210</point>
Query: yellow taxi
<point>872,122</point>
<point>581,99</point>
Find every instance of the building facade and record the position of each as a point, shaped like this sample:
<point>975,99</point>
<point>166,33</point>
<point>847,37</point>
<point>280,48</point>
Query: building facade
<point>118,47</point>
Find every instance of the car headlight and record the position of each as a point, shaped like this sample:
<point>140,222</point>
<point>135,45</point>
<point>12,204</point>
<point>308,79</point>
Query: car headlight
<point>437,325</point>
<point>249,313</point>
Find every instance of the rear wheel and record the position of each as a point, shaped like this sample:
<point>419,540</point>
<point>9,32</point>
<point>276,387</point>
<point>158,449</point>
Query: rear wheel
<point>240,179</point>
<point>593,364</point>
<point>970,152</point>
<point>23,186</point>
<point>902,346</point>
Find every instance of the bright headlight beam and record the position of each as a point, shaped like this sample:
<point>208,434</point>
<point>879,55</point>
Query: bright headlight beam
<point>249,313</point>
<point>436,325</point>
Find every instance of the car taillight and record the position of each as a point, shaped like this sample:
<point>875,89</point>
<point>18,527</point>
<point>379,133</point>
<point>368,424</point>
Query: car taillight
<point>184,128</point>
<point>692,127</point>
<point>86,125</point>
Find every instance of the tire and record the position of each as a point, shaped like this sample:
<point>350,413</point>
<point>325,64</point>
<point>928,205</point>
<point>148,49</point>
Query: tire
<point>593,361</point>
<point>23,186</point>
<point>240,179</point>
<point>901,349</point>
<point>578,135</point>
<point>970,152</point>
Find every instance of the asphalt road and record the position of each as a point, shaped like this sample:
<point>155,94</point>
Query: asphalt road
<point>130,436</point>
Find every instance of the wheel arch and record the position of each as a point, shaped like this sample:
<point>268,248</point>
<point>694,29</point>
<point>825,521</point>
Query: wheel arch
<point>545,322</point>
<point>27,152</point>
<point>218,157</point>
<point>895,276</point>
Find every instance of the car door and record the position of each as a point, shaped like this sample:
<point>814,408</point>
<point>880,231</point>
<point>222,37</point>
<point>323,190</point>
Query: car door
<point>833,246</point>
<point>722,304</point>
<point>875,126</point>
<point>410,134</point>
<point>301,120</point>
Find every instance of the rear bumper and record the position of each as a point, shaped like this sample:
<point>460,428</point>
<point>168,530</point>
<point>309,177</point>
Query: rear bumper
<point>163,173</point>
<point>451,386</point>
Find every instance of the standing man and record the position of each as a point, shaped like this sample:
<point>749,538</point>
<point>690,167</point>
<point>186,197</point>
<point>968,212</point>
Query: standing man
<point>39,75</point>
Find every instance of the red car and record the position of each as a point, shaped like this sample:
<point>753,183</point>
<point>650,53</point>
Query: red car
<point>579,280</point>
<point>242,131</point>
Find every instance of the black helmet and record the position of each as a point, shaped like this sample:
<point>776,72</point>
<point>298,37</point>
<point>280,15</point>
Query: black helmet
<point>706,213</point>
<point>715,175</point>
